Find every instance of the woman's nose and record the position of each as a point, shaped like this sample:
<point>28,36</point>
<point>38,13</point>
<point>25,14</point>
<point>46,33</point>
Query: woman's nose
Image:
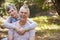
<point>23,14</point>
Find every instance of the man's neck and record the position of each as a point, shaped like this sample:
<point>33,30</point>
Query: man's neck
<point>15,17</point>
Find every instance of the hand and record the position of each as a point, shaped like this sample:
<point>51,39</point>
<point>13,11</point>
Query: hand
<point>20,30</point>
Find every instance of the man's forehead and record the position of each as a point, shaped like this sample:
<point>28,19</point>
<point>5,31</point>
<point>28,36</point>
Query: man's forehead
<point>10,9</point>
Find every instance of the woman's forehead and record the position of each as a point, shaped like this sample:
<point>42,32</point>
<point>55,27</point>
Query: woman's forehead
<point>23,10</point>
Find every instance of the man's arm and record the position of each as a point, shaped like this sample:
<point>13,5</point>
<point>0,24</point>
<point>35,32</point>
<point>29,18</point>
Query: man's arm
<point>32,25</point>
<point>7,24</point>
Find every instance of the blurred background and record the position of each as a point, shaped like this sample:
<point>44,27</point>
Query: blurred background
<point>45,12</point>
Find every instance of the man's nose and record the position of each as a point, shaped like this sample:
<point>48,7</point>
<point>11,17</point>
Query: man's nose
<point>11,13</point>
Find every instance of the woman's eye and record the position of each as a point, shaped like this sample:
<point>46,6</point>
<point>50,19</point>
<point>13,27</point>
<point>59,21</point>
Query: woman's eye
<point>21,12</point>
<point>25,13</point>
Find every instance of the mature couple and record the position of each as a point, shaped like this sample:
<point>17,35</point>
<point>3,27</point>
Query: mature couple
<point>19,25</point>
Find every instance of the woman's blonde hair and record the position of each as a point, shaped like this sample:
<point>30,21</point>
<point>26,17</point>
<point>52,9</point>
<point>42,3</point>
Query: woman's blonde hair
<point>25,7</point>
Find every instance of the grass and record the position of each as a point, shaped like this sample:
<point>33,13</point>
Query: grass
<point>49,27</point>
<point>45,22</point>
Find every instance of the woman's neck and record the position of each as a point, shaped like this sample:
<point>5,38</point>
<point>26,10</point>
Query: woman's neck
<point>22,22</point>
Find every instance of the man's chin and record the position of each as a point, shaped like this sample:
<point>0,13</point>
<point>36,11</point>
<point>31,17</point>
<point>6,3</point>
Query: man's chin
<point>14,16</point>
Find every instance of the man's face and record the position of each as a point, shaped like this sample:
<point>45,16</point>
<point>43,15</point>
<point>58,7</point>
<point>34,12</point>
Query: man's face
<point>23,13</point>
<point>12,12</point>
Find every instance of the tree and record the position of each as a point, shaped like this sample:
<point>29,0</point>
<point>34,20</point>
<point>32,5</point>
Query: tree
<point>1,1</point>
<point>1,8</point>
<point>57,5</point>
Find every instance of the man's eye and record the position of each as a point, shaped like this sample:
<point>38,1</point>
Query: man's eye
<point>9,12</point>
<point>12,10</point>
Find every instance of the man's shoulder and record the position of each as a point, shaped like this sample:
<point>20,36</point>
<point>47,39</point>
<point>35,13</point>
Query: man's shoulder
<point>9,17</point>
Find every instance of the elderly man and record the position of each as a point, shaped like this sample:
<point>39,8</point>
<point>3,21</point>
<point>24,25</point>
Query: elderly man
<point>11,9</point>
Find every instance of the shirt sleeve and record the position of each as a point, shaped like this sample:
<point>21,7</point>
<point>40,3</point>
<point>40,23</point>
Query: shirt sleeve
<point>7,24</point>
<point>10,34</point>
<point>32,25</point>
<point>32,35</point>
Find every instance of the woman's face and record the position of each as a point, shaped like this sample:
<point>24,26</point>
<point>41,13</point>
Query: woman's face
<point>23,13</point>
<point>12,12</point>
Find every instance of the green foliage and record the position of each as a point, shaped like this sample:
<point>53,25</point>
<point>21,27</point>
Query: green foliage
<point>40,3</point>
<point>1,21</point>
<point>35,6</point>
<point>49,27</point>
